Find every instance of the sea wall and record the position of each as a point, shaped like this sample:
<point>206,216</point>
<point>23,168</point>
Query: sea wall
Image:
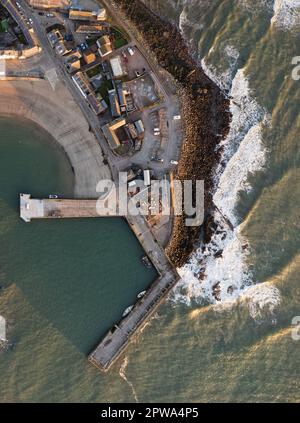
<point>205,110</point>
<point>56,112</point>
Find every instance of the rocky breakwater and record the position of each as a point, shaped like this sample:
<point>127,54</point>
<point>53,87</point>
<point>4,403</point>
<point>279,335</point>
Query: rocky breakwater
<point>206,114</point>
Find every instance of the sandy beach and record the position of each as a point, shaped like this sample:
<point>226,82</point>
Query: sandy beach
<point>55,111</point>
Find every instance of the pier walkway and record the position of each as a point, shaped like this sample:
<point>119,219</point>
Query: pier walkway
<point>118,338</point>
<point>56,208</point>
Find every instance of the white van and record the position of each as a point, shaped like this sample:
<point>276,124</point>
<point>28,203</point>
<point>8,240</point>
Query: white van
<point>130,51</point>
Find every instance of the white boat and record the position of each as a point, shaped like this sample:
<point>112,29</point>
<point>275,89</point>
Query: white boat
<point>127,311</point>
<point>141,294</point>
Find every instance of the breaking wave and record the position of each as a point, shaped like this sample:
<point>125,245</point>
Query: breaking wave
<point>218,272</point>
<point>286,14</point>
<point>262,300</point>
<point>222,79</point>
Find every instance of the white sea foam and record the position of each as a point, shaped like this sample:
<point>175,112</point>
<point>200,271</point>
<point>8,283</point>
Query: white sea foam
<point>249,158</point>
<point>222,79</point>
<point>183,20</point>
<point>222,264</point>
<point>262,299</point>
<point>286,14</point>
<point>122,373</point>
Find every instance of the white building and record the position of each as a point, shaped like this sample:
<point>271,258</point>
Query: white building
<point>117,68</point>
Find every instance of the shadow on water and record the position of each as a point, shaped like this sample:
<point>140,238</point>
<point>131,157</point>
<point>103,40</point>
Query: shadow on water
<point>79,274</point>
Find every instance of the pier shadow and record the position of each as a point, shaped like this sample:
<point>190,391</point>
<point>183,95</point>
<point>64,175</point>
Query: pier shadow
<point>79,274</point>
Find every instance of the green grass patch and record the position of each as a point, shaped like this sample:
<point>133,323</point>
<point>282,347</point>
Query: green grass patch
<point>93,71</point>
<point>4,25</point>
<point>91,41</point>
<point>121,38</point>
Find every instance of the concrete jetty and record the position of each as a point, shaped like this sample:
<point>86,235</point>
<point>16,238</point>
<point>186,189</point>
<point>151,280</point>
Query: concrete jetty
<point>55,208</point>
<point>118,338</point>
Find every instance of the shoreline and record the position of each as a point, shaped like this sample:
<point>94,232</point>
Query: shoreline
<point>39,130</point>
<point>64,122</point>
<point>205,111</point>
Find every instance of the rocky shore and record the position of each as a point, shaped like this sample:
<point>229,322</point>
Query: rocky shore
<point>205,110</point>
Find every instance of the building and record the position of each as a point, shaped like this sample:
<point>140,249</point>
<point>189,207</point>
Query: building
<point>114,103</point>
<point>61,48</point>
<point>54,36</point>
<point>139,127</point>
<point>82,84</point>
<point>122,96</point>
<point>132,131</point>
<point>89,57</point>
<point>104,45</point>
<point>117,68</point>
<point>73,66</point>
<point>96,102</point>
<point>147,178</point>
<point>110,132</point>
<point>80,14</point>
<point>103,40</point>
<point>76,55</point>
<point>50,4</point>
<point>96,81</point>
<point>90,29</point>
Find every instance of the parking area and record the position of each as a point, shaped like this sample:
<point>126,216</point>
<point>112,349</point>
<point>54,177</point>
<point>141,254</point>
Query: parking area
<point>135,62</point>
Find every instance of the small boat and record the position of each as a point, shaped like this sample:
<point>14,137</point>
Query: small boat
<point>127,311</point>
<point>141,294</point>
<point>53,196</point>
<point>146,262</point>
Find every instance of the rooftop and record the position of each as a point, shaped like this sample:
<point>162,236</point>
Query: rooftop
<point>109,131</point>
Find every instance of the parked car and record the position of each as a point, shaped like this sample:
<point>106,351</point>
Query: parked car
<point>130,51</point>
<point>83,46</point>
<point>174,162</point>
<point>157,159</point>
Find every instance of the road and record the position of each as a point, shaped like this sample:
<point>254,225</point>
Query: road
<point>65,77</point>
<point>12,9</point>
